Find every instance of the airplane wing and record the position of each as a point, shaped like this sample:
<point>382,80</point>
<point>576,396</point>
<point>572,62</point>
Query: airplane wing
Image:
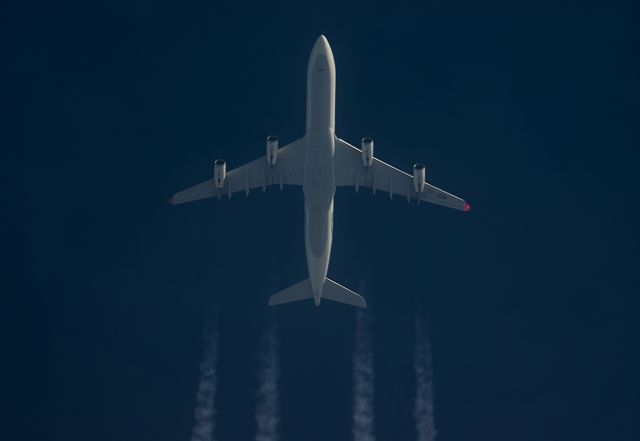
<point>288,170</point>
<point>350,171</point>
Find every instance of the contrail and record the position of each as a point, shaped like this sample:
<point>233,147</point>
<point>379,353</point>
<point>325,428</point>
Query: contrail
<point>363,391</point>
<point>205,414</point>
<point>268,412</point>
<point>423,410</point>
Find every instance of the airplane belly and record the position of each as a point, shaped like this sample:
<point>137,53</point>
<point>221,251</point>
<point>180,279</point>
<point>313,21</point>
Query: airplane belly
<point>318,230</point>
<point>318,188</point>
<point>319,168</point>
<point>318,240</point>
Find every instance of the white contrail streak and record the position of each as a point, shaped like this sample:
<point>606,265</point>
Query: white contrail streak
<point>363,391</point>
<point>268,412</point>
<point>205,414</point>
<point>423,410</point>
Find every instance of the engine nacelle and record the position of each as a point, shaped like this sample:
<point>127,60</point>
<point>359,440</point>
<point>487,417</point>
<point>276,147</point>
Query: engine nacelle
<point>367,151</point>
<point>272,149</point>
<point>419,177</point>
<point>219,172</point>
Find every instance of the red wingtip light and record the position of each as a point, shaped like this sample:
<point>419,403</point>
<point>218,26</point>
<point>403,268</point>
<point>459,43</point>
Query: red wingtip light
<point>467,206</point>
<point>171,200</point>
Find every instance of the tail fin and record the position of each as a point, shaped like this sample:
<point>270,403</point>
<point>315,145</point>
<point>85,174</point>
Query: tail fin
<point>338,293</point>
<point>299,291</point>
<point>330,291</point>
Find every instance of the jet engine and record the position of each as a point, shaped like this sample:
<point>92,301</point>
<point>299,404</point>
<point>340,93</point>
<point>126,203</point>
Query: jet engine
<point>419,177</point>
<point>219,172</point>
<point>367,151</point>
<point>272,149</point>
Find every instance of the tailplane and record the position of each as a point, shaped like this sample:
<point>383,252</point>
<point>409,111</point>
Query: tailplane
<point>338,293</point>
<point>299,291</point>
<point>330,291</point>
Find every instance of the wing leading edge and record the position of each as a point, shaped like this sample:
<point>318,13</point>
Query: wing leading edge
<point>288,170</point>
<point>351,172</point>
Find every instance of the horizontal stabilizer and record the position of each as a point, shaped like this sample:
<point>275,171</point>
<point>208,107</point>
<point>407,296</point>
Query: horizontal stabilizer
<point>299,291</point>
<point>338,293</point>
<point>330,291</point>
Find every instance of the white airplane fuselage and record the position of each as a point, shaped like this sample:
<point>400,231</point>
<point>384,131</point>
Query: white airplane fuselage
<point>319,177</point>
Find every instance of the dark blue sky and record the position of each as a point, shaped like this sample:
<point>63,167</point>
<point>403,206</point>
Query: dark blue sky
<point>528,112</point>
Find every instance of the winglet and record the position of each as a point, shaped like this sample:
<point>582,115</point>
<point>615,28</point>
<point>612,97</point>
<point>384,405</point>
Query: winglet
<point>467,206</point>
<point>171,200</point>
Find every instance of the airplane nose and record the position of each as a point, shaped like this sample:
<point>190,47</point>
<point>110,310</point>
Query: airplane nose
<point>321,45</point>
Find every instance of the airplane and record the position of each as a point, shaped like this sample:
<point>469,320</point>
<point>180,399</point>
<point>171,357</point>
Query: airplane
<point>319,162</point>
